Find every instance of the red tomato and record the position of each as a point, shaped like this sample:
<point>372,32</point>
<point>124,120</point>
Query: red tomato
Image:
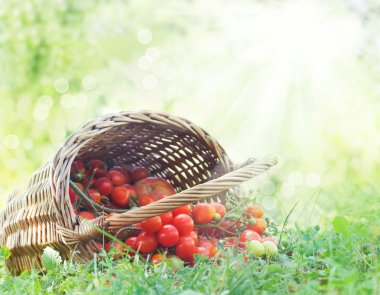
<point>120,196</point>
<point>157,258</point>
<point>182,210</point>
<point>94,195</point>
<point>99,166</point>
<point>203,213</point>
<point>112,244</point>
<point>209,246</point>
<point>139,173</point>
<point>184,224</point>
<point>255,211</point>
<point>202,251</point>
<point>116,177</point>
<point>185,248</point>
<point>146,242</point>
<point>167,218</point>
<point>145,200</point>
<point>231,242</point>
<point>131,242</point>
<point>168,235</point>
<point>156,187</point>
<point>219,208</point>
<point>259,226</point>
<point>78,170</point>
<point>86,215</point>
<point>132,191</point>
<point>99,245</point>
<point>73,196</point>
<point>152,225</point>
<point>122,171</point>
<point>194,236</point>
<point>248,235</point>
<point>104,185</point>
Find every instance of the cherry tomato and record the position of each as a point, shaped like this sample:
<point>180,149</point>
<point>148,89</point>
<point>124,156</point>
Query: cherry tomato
<point>78,170</point>
<point>182,210</point>
<point>185,248</point>
<point>255,211</point>
<point>104,185</point>
<point>132,191</point>
<point>139,173</point>
<point>120,196</point>
<point>167,218</point>
<point>86,215</point>
<point>112,244</point>
<point>152,225</point>
<point>202,251</point>
<point>99,166</point>
<point>158,258</point>
<point>248,235</point>
<point>116,177</point>
<point>145,200</point>
<point>94,195</point>
<point>122,171</point>
<point>219,209</point>
<point>99,245</point>
<point>131,242</point>
<point>209,246</point>
<point>168,235</point>
<point>194,236</point>
<point>146,242</point>
<point>203,213</point>
<point>184,224</point>
<point>231,242</point>
<point>259,226</point>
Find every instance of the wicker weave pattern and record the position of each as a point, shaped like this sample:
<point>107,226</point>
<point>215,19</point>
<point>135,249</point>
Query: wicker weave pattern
<point>173,148</point>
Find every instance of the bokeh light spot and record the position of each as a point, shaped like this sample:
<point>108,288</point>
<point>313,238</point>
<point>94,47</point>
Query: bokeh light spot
<point>11,141</point>
<point>267,187</point>
<point>313,179</point>
<point>89,82</point>
<point>152,53</point>
<point>287,190</point>
<point>61,85</point>
<point>40,112</point>
<point>269,203</point>
<point>144,36</point>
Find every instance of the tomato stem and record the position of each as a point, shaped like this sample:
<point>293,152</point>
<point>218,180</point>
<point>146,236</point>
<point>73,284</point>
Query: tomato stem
<point>107,210</point>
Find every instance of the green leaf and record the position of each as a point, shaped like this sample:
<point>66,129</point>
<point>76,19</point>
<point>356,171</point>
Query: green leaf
<point>340,225</point>
<point>51,259</point>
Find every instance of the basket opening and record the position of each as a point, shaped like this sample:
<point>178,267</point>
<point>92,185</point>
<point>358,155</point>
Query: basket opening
<point>175,154</point>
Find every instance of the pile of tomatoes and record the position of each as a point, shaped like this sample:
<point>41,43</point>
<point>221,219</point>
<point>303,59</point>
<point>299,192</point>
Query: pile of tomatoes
<point>201,229</point>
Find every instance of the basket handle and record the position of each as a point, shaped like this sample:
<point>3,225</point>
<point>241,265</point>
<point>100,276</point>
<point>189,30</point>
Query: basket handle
<point>248,170</point>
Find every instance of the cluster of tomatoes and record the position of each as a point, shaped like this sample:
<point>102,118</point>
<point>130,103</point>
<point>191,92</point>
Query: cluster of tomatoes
<point>113,187</point>
<point>202,229</point>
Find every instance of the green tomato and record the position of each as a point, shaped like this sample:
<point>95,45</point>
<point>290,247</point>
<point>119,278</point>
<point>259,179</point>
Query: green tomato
<point>176,262</point>
<point>270,248</point>
<point>256,248</point>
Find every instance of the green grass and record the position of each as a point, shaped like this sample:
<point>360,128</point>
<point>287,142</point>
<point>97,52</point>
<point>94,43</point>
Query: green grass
<point>342,260</point>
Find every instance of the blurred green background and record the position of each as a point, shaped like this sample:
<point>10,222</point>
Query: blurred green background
<point>295,78</point>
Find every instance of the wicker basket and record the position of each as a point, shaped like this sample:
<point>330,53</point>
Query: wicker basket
<point>173,148</point>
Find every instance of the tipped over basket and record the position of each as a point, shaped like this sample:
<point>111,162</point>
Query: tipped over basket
<point>175,149</point>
